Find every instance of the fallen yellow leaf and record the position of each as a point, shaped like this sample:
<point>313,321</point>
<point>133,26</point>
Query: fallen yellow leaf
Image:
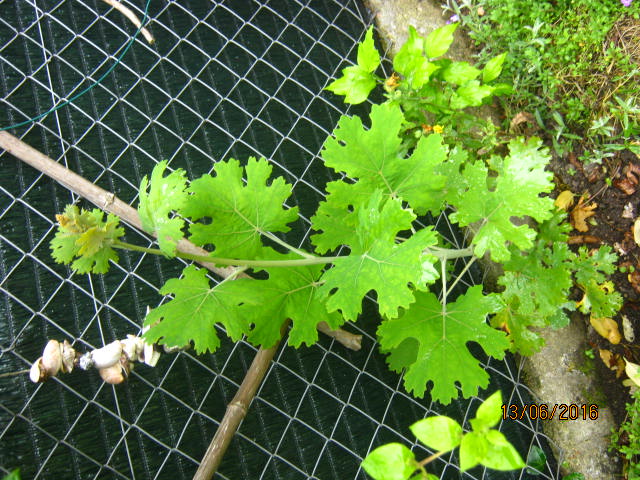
<point>564,200</point>
<point>580,213</point>
<point>608,328</point>
<point>636,231</point>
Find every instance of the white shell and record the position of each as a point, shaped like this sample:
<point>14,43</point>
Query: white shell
<point>150,355</point>
<point>52,358</point>
<point>112,374</point>
<point>37,373</point>
<point>108,355</point>
<point>132,347</point>
<point>68,357</point>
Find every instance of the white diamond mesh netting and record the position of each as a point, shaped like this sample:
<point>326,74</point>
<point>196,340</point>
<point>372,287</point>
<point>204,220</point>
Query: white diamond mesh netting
<point>223,80</point>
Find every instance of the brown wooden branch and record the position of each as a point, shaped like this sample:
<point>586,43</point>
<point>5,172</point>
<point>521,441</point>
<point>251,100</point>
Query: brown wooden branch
<point>236,411</point>
<point>133,18</point>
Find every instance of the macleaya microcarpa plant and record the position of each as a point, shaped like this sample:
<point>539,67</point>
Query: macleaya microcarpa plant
<point>393,172</point>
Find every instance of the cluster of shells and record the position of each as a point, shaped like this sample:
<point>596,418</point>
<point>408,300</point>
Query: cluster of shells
<point>114,361</point>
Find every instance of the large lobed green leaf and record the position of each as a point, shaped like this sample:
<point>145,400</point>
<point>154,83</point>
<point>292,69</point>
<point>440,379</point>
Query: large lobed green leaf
<point>290,293</point>
<point>430,341</point>
<point>375,157</point>
<point>239,213</point>
<point>377,262</point>
<point>536,286</point>
<point>514,194</point>
<point>195,309</point>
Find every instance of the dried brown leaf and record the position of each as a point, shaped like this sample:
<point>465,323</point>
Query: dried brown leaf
<point>634,280</point>
<point>520,118</point>
<point>580,213</point>
<point>581,239</point>
<point>626,185</point>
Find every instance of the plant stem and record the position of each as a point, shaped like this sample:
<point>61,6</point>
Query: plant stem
<point>464,270</point>
<point>229,261</point>
<point>430,458</point>
<point>291,248</point>
<point>443,276</point>
<point>450,253</point>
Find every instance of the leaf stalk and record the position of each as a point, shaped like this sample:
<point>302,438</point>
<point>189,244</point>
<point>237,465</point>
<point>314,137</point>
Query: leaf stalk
<point>230,261</point>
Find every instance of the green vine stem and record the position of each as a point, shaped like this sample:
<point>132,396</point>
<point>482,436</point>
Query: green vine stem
<point>442,254</point>
<point>230,261</point>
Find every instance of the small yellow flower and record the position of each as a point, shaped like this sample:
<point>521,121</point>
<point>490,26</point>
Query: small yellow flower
<point>392,82</point>
<point>438,129</point>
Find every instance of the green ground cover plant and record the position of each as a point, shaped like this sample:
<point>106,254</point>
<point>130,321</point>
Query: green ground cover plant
<point>374,233</point>
<point>573,65</point>
<point>626,440</point>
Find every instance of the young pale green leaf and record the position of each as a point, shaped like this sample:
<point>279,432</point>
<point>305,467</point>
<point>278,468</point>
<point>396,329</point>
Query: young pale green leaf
<point>441,335</point>
<point>488,413</point>
<point>158,198</point>
<point>373,156</point>
<point>377,263</point>
<point>240,213</point>
<point>438,42</point>
<point>514,195</point>
<point>459,73</point>
<point>368,56</point>
<point>358,80</point>
<point>473,449</point>
<point>471,94</point>
<point>501,455</point>
<point>289,293</point>
<point>441,433</point>
<point>355,84</point>
<point>196,308</point>
<point>85,239</point>
<point>411,62</point>
<point>493,68</point>
<point>392,461</point>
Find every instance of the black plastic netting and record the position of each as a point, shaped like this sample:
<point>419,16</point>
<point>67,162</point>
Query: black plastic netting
<point>229,79</point>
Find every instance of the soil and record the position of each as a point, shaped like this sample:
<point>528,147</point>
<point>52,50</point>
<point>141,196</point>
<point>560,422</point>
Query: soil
<point>613,186</point>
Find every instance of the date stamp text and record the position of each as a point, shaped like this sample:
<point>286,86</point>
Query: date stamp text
<point>542,411</point>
